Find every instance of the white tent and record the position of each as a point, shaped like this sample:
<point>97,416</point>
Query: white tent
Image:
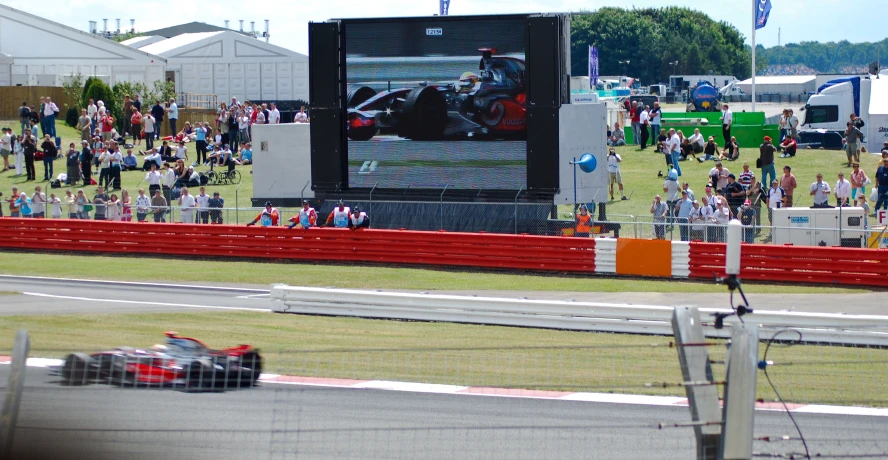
<point>5,69</point>
<point>45,52</point>
<point>229,64</point>
<point>795,85</point>
<point>877,124</point>
<point>138,42</point>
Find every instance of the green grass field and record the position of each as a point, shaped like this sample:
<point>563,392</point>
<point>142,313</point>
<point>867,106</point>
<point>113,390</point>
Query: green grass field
<point>462,354</point>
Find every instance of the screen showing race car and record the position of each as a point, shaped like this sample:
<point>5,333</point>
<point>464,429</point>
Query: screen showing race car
<point>436,103</point>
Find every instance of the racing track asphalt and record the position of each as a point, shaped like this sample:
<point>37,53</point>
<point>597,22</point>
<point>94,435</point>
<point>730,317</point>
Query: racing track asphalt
<point>276,421</point>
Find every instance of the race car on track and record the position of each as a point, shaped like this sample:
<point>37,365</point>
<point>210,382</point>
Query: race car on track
<point>490,104</point>
<point>182,362</point>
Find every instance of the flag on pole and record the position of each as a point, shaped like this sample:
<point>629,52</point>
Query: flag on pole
<point>445,7</point>
<point>593,67</point>
<point>763,9</point>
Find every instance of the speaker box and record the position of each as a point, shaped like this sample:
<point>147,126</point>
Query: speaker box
<point>542,149</point>
<point>328,150</point>
<point>323,65</point>
<point>543,59</point>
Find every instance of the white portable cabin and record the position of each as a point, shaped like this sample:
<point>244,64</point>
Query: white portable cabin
<point>229,64</point>
<point>43,53</point>
<point>828,227</point>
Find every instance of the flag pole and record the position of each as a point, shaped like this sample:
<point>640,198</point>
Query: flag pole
<point>753,53</point>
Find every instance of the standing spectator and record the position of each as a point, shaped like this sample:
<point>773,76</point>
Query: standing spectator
<point>747,176</point>
<point>34,121</point>
<point>224,128</point>
<point>756,194</point>
<point>274,115</point>
<point>718,176</point>
<point>157,112</point>
<point>83,205</point>
<point>127,206</point>
<point>150,126</point>
<point>661,143</point>
<point>727,119</point>
<point>659,211</point>
<point>655,116</point>
<point>50,112</point>
<point>698,224</point>
<point>143,205</point>
<point>116,162</point>
<point>613,172</point>
<point>19,152</point>
<point>776,199</point>
<point>671,188</point>
<point>154,178</point>
<point>673,152</point>
<point>793,124</point>
<point>50,152</point>
<point>307,217</point>
<point>71,203</point>
<point>843,191</point>
<point>260,118</point>
<point>38,203</point>
<point>783,124</point>
<point>72,163</point>
<point>853,136</point>
<point>789,146</point>
<point>644,124</point>
<point>687,188</point>
<point>86,159</point>
<point>84,125</point>
<point>23,203</point>
<point>859,181</point>
<point>29,149</point>
<point>617,137</point>
<point>91,111</point>
<point>107,122</point>
<point>734,193</point>
<point>203,206</point>
<point>243,127</point>
<point>114,209</point>
<point>6,147</point>
<point>159,206</point>
<point>169,180</point>
<point>187,203</point>
<point>635,114</point>
<point>173,114</point>
<point>747,217</point>
<point>722,216</point>
<point>683,212</point>
<point>136,125</point>
<point>100,200</point>
<point>200,144</point>
<point>24,114</point>
<point>302,117</point>
<point>820,191</point>
<point>137,103</point>
<point>707,213</point>
<point>788,184</point>
<point>216,204</point>
<point>127,111</point>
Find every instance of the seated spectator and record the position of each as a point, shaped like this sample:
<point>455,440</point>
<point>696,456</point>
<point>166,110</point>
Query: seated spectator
<point>190,178</point>
<point>789,146</point>
<point>617,137</point>
<point>697,141</point>
<point>166,153</point>
<point>152,156</point>
<point>710,150</point>
<point>246,154</point>
<point>731,151</point>
<point>661,141</point>
<point>186,134</point>
<point>130,163</point>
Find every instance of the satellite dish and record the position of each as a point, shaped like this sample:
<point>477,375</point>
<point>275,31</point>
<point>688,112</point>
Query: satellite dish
<point>587,163</point>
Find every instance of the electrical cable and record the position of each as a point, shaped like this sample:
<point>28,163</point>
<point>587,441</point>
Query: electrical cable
<point>763,364</point>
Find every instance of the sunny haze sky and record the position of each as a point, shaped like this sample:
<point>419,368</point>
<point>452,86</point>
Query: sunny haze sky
<point>800,20</point>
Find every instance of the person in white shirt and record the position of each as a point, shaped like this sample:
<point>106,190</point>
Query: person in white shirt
<point>114,210</point>
<point>793,125</point>
<point>260,118</point>
<point>148,121</point>
<point>727,119</point>
<point>186,206</point>
<point>820,191</point>
<point>116,163</point>
<point>698,142</point>
<point>722,217</point>
<point>203,207</point>
<point>169,180</point>
<point>707,215</point>
<point>91,111</point>
<point>105,168</point>
<point>674,150</point>
<point>274,115</point>
<point>154,178</point>
<point>302,117</point>
<point>6,147</point>
<point>143,205</point>
<point>182,151</point>
<point>38,203</point>
<point>644,124</point>
<point>613,172</point>
<point>152,157</point>
<point>56,204</point>
<point>243,127</point>
<point>698,226</point>
<point>50,109</point>
<point>843,191</point>
<point>173,115</point>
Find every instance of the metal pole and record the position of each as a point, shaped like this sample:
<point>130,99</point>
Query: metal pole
<point>753,53</point>
<point>9,415</point>
<point>695,367</point>
<point>237,205</point>
<point>302,193</point>
<point>739,412</point>
<point>442,205</point>
<point>371,199</point>
<point>516,208</point>
<point>574,163</point>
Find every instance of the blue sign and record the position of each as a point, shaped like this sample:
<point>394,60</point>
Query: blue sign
<point>593,67</point>
<point>445,7</point>
<point>762,10</point>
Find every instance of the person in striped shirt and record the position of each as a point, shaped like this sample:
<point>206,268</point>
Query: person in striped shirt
<point>747,177</point>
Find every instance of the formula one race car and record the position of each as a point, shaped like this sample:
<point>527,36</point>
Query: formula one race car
<point>492,103</point>
<point>183,362</point>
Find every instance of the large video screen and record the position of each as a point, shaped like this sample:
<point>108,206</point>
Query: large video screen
<point>436,103</point>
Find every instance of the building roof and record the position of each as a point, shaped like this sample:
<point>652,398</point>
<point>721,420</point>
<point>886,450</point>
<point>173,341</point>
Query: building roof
<point>780,80</point>
<point>139,42</point>
<point>178,41</point>
<point>189,28</point>
<point>225,46</point>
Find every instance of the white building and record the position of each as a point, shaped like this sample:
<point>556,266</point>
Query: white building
<point>793,85</point>
<point>39,52</point>
<point>229,64</point>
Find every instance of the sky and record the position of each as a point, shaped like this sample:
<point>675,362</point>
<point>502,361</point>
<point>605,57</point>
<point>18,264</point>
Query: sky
<point>799,20</point>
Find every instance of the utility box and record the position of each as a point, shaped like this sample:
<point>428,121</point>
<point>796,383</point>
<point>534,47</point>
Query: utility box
<point>842,227</point>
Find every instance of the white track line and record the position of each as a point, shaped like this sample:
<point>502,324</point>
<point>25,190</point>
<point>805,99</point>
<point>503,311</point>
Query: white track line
<point>139,302</point>
<point>136,283</point>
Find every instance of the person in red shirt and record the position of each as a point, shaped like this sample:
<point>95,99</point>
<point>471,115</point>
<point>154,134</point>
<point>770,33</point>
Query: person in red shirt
<point>107,126</point>
<point>789,146</point>
<point>635,113</point>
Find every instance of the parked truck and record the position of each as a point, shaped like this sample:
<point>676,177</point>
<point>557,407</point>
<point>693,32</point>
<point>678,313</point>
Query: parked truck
<point>703,97</point>
<point>828,111</point>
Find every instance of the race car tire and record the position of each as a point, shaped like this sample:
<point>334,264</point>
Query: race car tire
<point>494,115</point>
<point>362,134</point>
<point>200,376</point>
<point>358,95</point>
<point>251,368</point>
<point>75,370</point>
<point>425,111</point>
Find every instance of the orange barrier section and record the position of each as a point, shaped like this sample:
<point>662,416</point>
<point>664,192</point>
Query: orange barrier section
<point>644,257</point>
<point>320,244</point>
<point>795,264</point>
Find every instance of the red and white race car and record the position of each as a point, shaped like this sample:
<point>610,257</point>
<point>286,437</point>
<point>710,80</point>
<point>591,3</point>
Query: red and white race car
<point>182,362</point>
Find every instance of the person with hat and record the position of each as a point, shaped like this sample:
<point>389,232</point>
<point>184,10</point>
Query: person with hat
<point>746,215</point>
<point>6,147</point>
<point>881,186</point>
<point>215,204</point>
<point>766,160</point>
<point>358,220</point>
<point>269,216</point>
<point>734,192</point>
<point>683,213</point>
<point>583,228</point>
<point>338,216</point>
<point>613,172</point>
<point>820,191</point>
<point>307,217</point>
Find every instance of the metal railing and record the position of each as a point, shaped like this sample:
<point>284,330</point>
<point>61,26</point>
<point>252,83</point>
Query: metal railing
<point>198,101</point>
